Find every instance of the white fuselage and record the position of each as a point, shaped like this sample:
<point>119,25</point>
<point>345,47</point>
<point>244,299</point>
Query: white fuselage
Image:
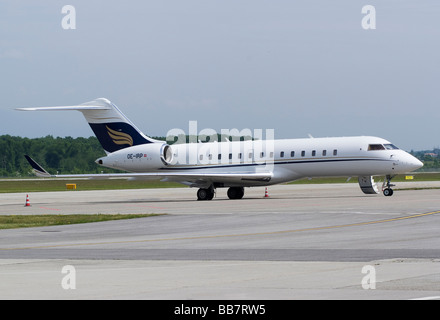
<point>286,159</point>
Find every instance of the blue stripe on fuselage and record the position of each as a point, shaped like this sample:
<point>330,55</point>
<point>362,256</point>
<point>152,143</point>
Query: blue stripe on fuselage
<point>266,163</point>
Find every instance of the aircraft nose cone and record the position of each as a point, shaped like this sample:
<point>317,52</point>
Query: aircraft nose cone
<point>413,163</point>
<point>418,164</point>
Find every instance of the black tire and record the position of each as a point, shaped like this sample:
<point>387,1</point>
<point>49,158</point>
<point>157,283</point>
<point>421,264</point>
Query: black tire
<point>388,192</point>
<point>235,192</point>
<point>202,194</point>
<point>205,194</point>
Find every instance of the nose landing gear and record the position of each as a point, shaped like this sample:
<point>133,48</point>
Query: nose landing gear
<point>386,187</point>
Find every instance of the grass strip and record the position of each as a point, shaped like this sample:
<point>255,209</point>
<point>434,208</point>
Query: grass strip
<point>30,221</point>
<point>42,185</point>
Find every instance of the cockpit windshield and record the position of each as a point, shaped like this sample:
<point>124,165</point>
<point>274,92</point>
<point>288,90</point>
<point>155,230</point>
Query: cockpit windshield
<point>388,146</point>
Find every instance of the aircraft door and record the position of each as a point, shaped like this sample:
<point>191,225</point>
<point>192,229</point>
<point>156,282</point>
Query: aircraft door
<point>367,184</point>
<point>395,160</point>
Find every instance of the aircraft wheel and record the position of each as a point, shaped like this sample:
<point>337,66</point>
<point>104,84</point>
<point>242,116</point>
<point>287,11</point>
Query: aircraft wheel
<point>210,194</point>
<point>388,192</point>
<point>205,194</point>
<point>235,192</point>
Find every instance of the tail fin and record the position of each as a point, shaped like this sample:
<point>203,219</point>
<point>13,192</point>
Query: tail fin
<point>112,128</point>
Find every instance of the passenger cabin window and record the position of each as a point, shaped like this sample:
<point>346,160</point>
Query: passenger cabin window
<point>292,154</point>
<point>335,152</point>
<point>303,153</point>
<point>324,153</point>
<point>282,154</point>
<point>313,153</point>
<point>373,147</point>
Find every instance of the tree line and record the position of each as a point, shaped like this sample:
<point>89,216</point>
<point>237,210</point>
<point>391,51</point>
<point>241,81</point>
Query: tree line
<point>63,155</point>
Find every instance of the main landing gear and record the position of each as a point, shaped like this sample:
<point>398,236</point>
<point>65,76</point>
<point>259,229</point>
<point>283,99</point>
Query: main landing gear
<point>208,193</point>
<point>235,192</point>
<point>205,194</point>
<point>386,187</point>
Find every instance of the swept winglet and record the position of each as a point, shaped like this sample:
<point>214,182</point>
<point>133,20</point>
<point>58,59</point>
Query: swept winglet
<point>39,170</point>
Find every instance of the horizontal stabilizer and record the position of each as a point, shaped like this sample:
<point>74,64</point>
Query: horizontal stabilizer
<point>65,108</point>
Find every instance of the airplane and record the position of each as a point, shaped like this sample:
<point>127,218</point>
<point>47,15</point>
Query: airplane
<point>233,164</point>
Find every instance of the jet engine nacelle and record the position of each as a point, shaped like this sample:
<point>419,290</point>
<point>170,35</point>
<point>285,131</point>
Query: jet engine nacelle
<point>367,184</point>
<point>139,158</point>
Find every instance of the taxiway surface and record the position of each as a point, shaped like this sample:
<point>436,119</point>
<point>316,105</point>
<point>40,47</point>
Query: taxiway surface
<point>302,242</point>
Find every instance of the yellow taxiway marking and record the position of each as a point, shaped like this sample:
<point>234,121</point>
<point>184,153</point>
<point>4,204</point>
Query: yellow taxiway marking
<point>232,235</point>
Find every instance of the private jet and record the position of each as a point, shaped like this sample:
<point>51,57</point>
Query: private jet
<point>233,164</point>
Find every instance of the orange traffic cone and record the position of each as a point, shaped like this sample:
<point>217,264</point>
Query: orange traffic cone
<point>266,195</point>
<point>27,204</point>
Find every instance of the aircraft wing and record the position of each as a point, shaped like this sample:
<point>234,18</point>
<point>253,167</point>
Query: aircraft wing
<point>188,178</point>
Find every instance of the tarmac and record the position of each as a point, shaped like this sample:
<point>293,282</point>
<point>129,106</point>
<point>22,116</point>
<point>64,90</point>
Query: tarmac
<point>325,241</point>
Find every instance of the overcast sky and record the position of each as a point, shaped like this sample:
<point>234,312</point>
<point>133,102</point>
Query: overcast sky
<point>297,67</point>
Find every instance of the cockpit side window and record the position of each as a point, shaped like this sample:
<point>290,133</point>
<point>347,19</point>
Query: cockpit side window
<point>375,147</point>
<point>390,147</point>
